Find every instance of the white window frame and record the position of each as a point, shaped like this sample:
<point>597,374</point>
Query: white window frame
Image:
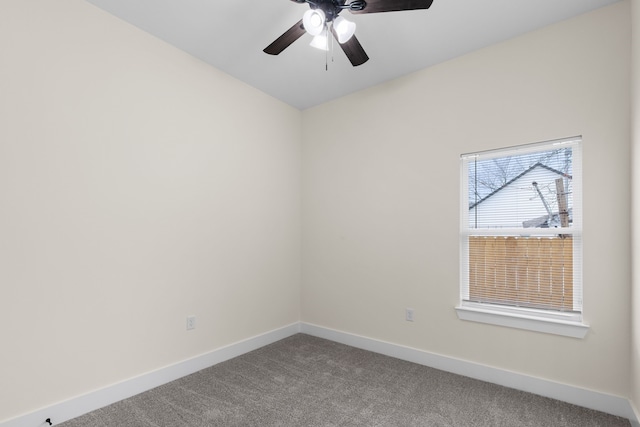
<point>546,321</point>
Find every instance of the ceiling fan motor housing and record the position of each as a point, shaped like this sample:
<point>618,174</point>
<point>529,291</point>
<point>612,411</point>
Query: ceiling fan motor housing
<point>332,8</point>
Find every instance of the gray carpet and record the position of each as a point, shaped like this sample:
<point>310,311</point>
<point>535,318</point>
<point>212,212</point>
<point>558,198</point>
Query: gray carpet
<point>308,381</point>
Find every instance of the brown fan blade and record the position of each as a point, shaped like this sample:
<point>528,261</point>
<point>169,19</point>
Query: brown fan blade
<point>353,49</point>
<point>288,37</point>
<point>375,6</point>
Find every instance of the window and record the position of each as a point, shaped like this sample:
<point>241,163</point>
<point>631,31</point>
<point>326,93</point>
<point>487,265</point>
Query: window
<point>521,237</point>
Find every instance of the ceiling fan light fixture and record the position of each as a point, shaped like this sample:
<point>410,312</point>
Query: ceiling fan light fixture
<point>320,41</point>
<point>344,29</point>
<point>313,21</point>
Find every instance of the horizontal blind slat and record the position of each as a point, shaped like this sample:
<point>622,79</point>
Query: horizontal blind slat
<point>526,272</point>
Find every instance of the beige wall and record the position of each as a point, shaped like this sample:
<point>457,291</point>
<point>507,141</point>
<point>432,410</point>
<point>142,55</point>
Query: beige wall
<point>381,197</point>
<point>137,186</point>
<point>635,195</point>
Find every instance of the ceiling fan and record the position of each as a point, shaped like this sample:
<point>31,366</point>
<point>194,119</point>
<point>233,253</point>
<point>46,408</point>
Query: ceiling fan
<point>322,17</point>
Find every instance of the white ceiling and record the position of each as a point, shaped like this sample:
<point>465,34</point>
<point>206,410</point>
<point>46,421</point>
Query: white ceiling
<point>230,35</point>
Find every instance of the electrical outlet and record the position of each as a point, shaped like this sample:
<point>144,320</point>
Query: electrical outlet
<point>191,322</point>
<point>409,314</point>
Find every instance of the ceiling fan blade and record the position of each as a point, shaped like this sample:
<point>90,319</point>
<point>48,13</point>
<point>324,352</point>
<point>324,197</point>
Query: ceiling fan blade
<point>353,49</point>
<point>375,6</point>
<point>288,37</point>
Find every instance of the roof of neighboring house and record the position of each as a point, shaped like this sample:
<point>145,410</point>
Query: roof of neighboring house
<point>511,181</point>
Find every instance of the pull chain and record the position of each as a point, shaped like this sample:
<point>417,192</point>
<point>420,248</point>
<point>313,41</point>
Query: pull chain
<point>326,50</point>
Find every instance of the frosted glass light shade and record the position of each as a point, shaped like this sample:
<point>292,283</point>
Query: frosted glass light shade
<point>320,41</point>
<point>344,29</point>
<point>313,21</point>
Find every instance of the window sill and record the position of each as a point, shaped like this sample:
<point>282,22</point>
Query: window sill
<point>565,328</point>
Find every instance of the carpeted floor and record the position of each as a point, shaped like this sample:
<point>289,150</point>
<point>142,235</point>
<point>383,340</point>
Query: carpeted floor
<point>308,381</point>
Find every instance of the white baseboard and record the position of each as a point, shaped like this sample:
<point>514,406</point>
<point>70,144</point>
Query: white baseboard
<point>91,401</point>
<point>603,402</point>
